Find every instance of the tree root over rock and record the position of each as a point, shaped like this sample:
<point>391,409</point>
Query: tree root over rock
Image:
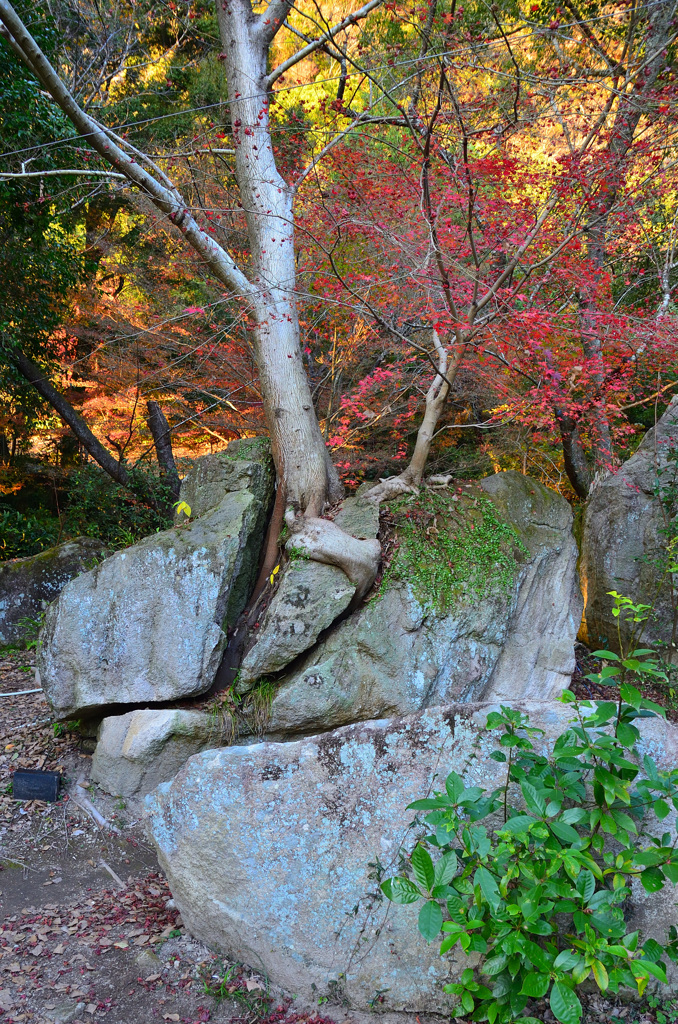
<point>324,541</point>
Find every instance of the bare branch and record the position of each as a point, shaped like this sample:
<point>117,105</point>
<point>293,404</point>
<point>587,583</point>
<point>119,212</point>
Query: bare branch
<point>6,175</point>
<point>269,22</point>
<point>322,40</point>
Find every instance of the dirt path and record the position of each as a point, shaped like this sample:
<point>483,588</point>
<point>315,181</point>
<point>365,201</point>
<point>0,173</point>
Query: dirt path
<point>88,930</point>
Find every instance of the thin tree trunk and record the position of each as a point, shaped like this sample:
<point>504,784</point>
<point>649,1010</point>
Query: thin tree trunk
<point>160,429</point>
<point>576,466</point>
<point>436,396</point>
<point>116,470</point>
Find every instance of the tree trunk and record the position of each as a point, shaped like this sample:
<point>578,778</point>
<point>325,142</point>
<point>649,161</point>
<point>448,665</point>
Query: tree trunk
<point>160,429</point>
<point>576,466</point>
<point>299,450</point>
<point>436,396</point>
<point>116,470</point>
<point>632,106</point>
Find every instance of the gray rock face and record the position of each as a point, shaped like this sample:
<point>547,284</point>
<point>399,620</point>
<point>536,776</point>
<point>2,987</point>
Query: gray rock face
<point>622,544</point>
<point>309,598</point>
<point>245,464</point>
<point>270,849</point>
<point>393,657</point>
<point>147,625</point>
<point>537,658</point>
<point>137,751</point>
<point>28,585</point>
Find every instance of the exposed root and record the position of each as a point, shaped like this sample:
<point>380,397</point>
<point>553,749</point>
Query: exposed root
<point>324,541</point>
<point>390,487</point>
<point>440,480</point>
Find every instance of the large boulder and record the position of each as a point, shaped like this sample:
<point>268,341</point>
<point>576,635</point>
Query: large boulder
<point>137,751</point>
<point>28,585</point>
<point>274,851</point>
<point>624,543</point>
<point>400,653</point>
<point>148,624</point>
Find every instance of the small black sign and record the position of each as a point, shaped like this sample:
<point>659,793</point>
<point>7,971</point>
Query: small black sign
<point>30,784</point>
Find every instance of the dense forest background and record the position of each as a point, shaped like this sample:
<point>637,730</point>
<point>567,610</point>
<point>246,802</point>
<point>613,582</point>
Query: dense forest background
<point>502,175</point>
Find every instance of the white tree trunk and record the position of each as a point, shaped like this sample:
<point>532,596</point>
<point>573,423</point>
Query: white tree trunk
<point>298,446</point>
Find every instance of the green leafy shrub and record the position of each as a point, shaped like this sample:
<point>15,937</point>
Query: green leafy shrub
<point>26,533</point>
<point>118,516</point>
<point>539,890</point>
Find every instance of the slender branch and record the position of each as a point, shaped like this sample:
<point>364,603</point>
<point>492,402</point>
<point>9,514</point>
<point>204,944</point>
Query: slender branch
<point>349,20</point>
<point>35,376</point>
<point>6,175</point>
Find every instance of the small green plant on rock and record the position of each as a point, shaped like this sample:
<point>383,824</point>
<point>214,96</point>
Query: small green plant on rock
<point>452,546</point>
<point>539,895</point>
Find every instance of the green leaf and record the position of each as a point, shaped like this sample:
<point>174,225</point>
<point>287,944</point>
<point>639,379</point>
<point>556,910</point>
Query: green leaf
<point>536,985</point>
<point>585,885</point>
<point>488,886</point>
<point>652,950</point>
<point>661,809</point>
<point>422,867</point>
<point>471,795</point>
<point>430,920</point>
<point>534,800</point>
<point>627,734</point>
<point>430,803</point>
<point>564,1004</point>
<point>656,970</point>
<point>601,976</point>
<point>652,880</point>
<point>564,832</point>
<point>574,816</point>
<point>454,785</point>
<point>608,923</point>
<point>400,890</point>
<point>566,960</point>
<point>607,655</point>
<point>467,1001</point>
<point>445,868</point>
<point>629,694</point>
<point>451,940</point>
<point>495,964</point>
<point>520,823</point>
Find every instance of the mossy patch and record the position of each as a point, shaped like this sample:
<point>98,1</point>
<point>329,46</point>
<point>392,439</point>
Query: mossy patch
<point>452,548</point>
<point>248,448</point>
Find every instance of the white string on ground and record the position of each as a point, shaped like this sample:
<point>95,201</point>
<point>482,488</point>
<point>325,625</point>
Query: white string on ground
<point>20,693</point>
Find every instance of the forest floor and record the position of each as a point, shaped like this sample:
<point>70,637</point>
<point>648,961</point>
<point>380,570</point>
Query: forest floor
<point>88,930</point>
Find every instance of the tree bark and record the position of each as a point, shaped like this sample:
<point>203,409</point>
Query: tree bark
<point>162,438</point>
<point>116,470</point>
<point>299,450</point>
